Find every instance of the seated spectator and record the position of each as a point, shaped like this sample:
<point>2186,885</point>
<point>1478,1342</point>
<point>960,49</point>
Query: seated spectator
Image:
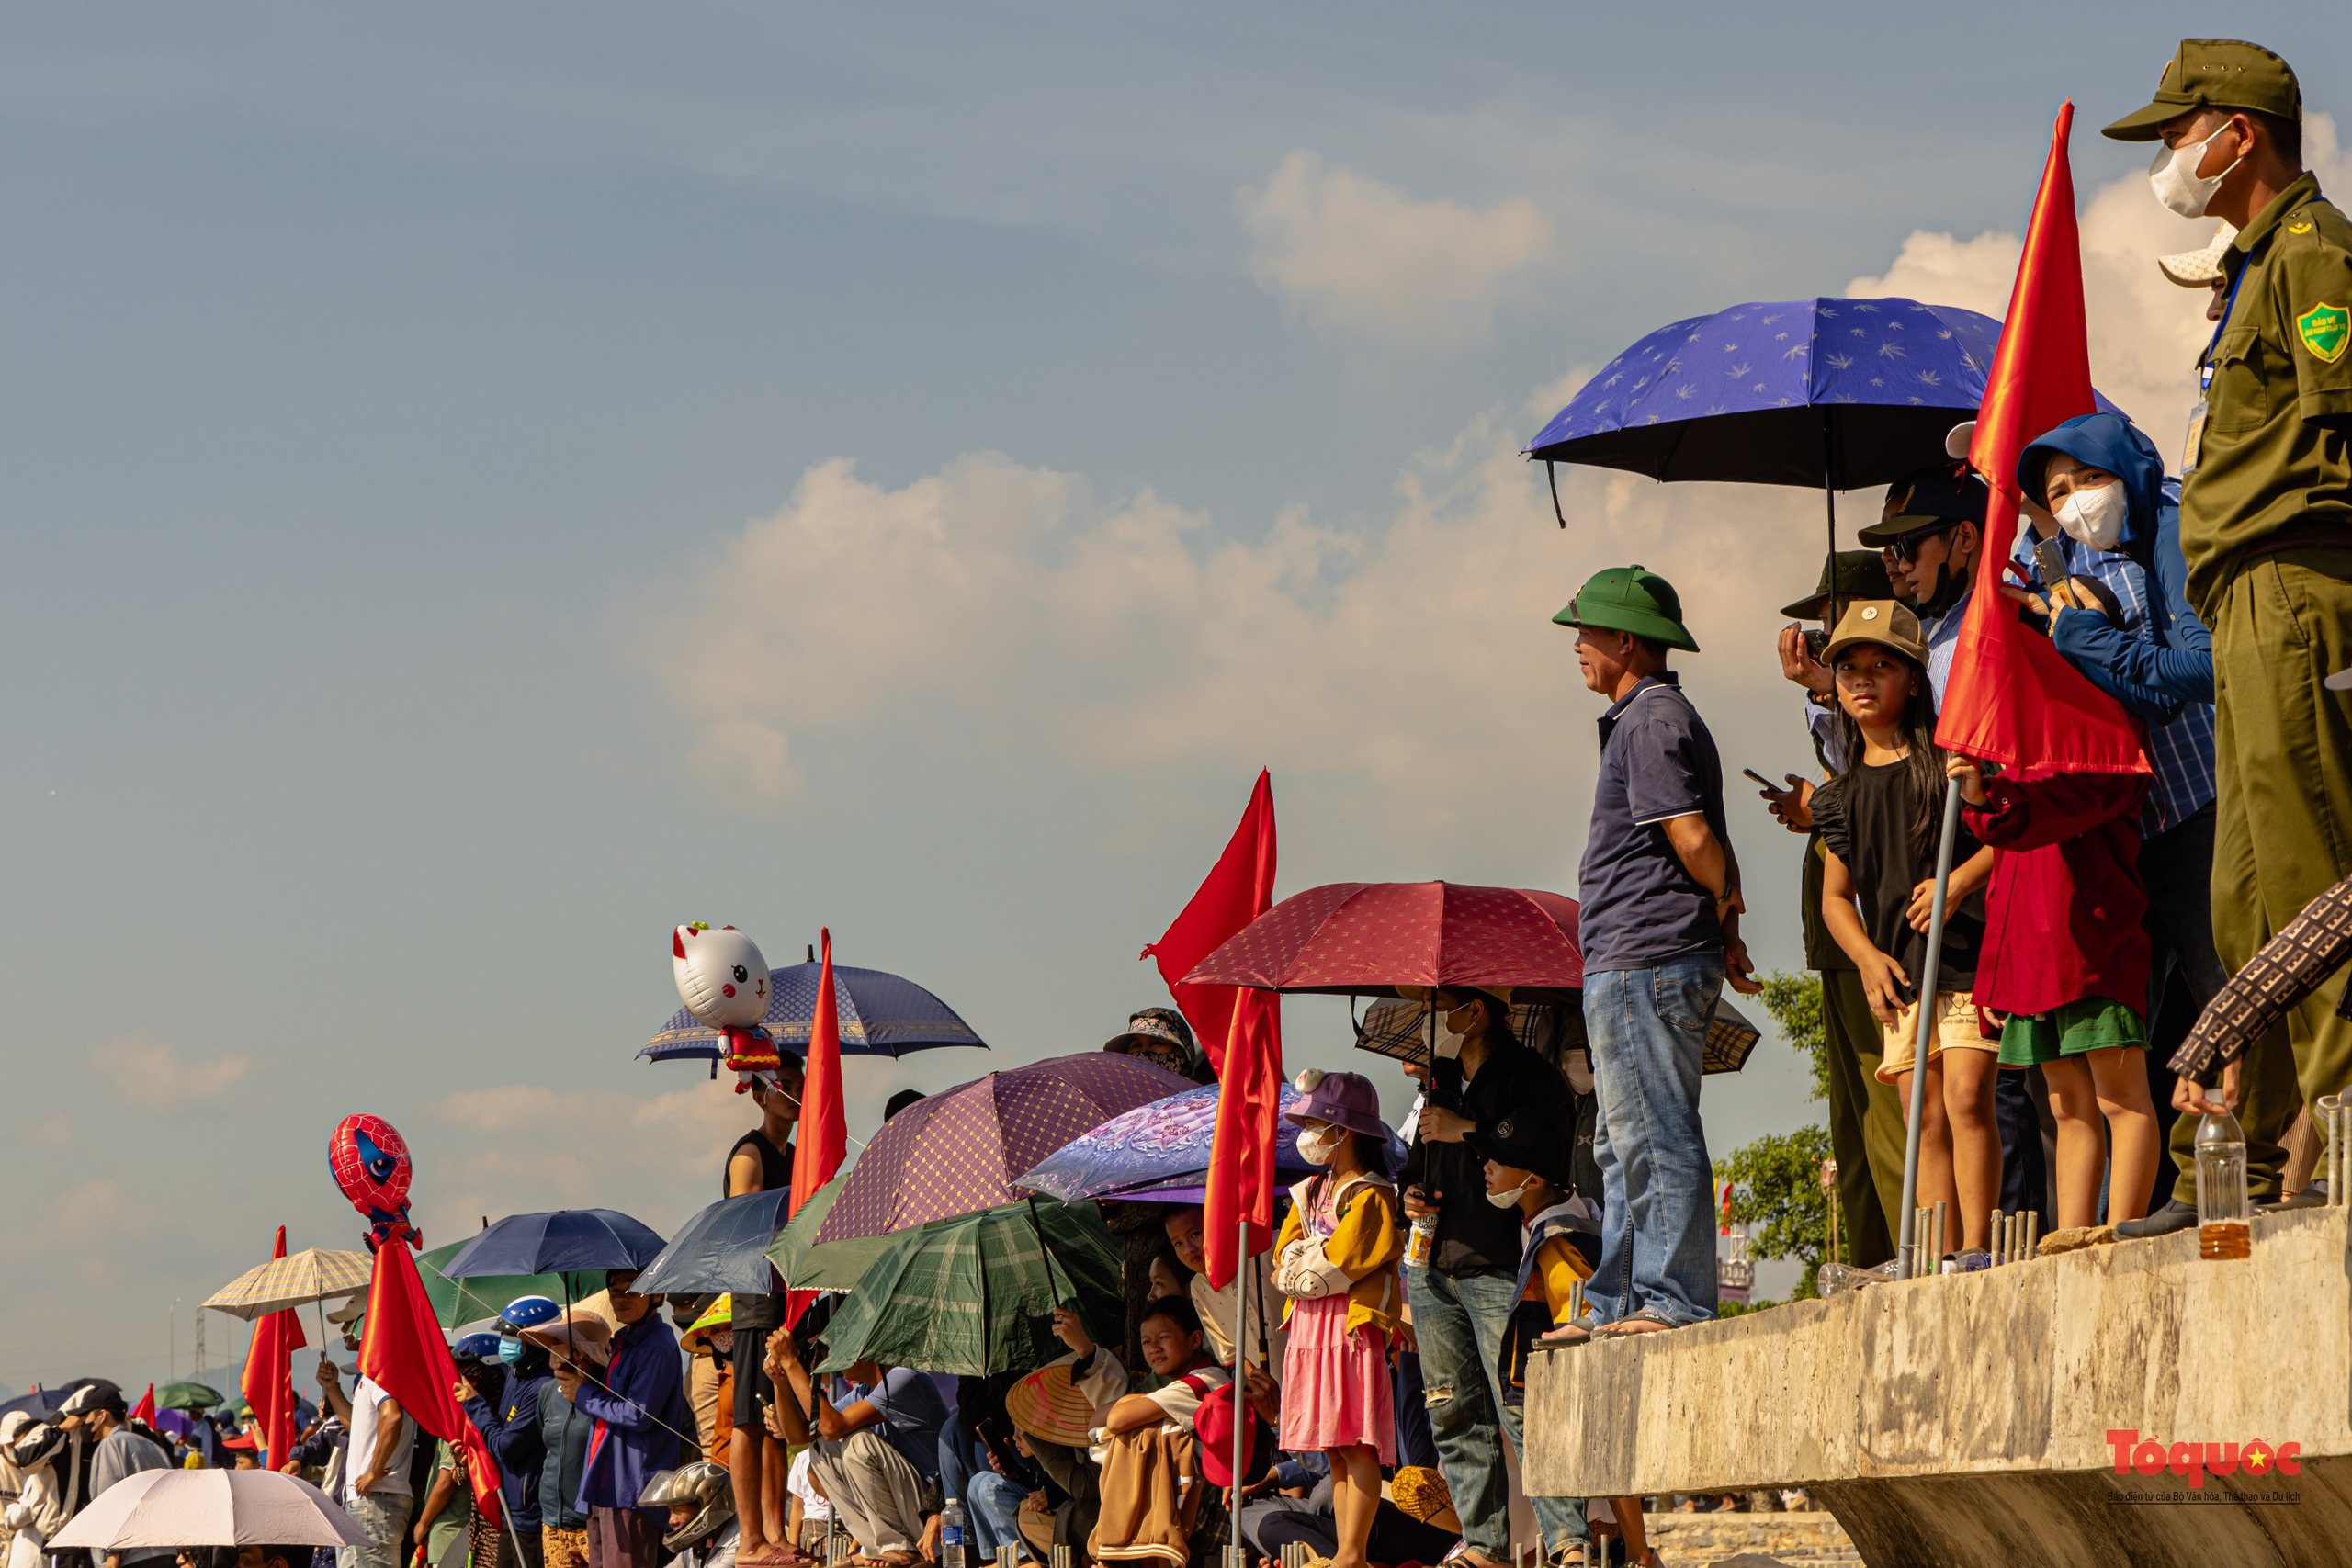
<point>810,1518</point>
<point>1161,1035</point>
<point>1187,1236</point>
<point>699,1501</point>
<point>877,1448</point>
<point>1153,1490</point>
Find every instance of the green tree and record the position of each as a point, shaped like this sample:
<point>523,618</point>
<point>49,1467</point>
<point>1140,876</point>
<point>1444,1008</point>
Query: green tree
<point>1794,1002</point>
<point>1776,1180</point>
<point>1776,1193</point>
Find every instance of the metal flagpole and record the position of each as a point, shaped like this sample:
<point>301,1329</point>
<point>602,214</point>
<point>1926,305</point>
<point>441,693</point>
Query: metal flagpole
<point>1909,1265</point>
<point>1241,1359</point>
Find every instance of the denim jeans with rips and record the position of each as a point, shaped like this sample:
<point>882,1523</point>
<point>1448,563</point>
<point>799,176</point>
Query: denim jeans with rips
<point>1648,1033</point>
<point>1459,1323</point>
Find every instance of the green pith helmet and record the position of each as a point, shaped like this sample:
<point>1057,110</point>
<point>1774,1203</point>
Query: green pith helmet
<point>1630,599</point>
<point>2214,73</point>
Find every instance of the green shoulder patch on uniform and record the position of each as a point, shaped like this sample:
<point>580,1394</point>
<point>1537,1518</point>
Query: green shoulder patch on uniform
<point>2326,329</point>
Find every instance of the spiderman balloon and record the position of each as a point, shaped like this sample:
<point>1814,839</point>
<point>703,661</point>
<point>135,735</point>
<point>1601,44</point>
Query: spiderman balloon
<point>370,1164</point>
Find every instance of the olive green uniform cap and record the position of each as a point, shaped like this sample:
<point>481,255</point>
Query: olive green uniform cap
<point>1630,599</point>
<point>2214,73</point>
<point>1860,575</point>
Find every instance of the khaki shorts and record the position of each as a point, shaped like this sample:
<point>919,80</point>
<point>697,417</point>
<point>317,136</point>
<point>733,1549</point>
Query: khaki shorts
<point>1955,1027</point>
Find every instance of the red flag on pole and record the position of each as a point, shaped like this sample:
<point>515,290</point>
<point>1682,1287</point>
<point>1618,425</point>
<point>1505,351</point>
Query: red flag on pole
<point>1242,1029</point>
<point>2011,697</point>
<point>403,1351</point>
<point>823,1137</point>
<point>267,1382</point>
<point>1240,888</point>
<point>145,1409</point>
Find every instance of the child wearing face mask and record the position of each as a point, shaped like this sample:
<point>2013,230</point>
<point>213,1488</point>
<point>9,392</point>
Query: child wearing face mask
<point>1339,1248</point>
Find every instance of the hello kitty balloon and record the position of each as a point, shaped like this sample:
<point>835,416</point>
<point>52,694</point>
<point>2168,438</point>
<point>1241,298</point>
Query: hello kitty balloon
<point>723,980</point>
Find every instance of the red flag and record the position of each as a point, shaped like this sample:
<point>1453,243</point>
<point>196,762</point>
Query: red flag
<point>823,1137</point>
<point>145,1409</point>
<point>268,1379</point>
<point>1242,1029</point>
<point>1238,890</point>
<point>403,1351</point>
<point>2011,698</point>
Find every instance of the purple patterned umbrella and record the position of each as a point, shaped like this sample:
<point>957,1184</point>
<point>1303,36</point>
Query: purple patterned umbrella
<point>1151,1145</point>
<point>959,1151</point>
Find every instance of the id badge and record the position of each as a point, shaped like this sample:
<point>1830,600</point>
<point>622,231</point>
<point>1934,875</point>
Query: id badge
<point>2192,445</point>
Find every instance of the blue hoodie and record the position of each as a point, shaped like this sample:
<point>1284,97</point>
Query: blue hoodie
<point>2175,666</point>
<point>2163,671</point>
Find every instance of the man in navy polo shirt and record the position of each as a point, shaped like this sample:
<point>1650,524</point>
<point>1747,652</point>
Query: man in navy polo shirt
<point>1660,931</point>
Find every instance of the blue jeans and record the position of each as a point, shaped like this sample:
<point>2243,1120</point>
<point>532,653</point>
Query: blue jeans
<point>1648,1033</point>
<point>990,1502</point>
<point>1459,1324</point>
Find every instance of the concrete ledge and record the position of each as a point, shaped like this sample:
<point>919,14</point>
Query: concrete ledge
<point>1963,1421</point>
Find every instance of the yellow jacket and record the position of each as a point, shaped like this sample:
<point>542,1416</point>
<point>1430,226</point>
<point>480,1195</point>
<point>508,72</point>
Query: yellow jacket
<point>1364,1244</point>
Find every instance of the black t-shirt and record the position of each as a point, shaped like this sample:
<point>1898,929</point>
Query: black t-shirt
<point>776,1176</point>
<point>1864,816</point>
<point>1512,1085</point>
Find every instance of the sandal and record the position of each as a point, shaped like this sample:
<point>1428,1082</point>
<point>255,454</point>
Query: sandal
<point>1643,1320</point>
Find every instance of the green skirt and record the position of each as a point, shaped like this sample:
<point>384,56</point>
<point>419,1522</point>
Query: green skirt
<point>2093,1023</point>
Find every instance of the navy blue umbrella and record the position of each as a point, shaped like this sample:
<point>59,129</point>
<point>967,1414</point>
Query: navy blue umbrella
<point>881,1015</point>
<point>1833,393</point>
<point>556,1242</point>
<point>725,1247</point>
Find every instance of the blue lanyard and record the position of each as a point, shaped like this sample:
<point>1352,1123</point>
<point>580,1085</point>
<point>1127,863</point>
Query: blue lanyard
<point>2229,302</point>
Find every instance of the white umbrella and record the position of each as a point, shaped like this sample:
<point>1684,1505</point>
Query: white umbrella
<point>208,1507</point>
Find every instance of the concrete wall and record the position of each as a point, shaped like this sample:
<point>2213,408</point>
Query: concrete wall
<point>1964,1420</point>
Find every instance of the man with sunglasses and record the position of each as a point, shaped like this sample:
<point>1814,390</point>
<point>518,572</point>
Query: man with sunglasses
<point>1928,536</point>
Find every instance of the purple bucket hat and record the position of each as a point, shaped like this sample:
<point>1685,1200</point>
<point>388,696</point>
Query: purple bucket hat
<point>1343,1099</point>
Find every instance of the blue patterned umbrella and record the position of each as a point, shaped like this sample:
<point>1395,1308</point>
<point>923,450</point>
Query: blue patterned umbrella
<point>1834,393</point>
<point>1151,1145</point>
<point>881,1014</point>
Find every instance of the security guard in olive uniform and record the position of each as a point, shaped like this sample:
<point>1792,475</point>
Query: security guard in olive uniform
<point>2266,523</point>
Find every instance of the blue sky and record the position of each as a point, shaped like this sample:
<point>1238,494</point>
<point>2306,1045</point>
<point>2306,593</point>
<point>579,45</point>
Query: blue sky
<point>486,484</point>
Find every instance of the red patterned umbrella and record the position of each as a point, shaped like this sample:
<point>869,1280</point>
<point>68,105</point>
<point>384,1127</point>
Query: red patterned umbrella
<point>957,1152</point>
<point>1368,938</point>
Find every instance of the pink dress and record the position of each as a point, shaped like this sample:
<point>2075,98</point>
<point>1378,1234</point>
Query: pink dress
<point>1335,1388</point>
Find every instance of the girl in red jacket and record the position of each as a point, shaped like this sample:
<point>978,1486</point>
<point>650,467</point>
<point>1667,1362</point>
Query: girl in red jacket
<point>2065,959</point>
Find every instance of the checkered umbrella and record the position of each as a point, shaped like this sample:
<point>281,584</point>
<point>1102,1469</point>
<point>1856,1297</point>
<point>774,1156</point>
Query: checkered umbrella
<point>309,1275</point>
<point>972,1295</point>
<point>960,1151</point>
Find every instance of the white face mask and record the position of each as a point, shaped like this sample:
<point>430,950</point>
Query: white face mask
<point>2095,517</point>
<point>1317,1144</point>
<point>1449,1042</point>
<point>2176,182</point>
<point>1508,1200</point>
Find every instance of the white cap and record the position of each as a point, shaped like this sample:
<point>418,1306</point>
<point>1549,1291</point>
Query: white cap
<point>2201,268</point>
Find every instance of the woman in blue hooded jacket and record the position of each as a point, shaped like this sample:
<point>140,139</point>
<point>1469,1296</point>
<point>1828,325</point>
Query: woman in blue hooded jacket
<point>2100,480</point>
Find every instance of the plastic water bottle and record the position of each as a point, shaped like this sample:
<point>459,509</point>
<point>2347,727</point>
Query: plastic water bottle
<point>2225,1214</point>
<point>950,1533</point>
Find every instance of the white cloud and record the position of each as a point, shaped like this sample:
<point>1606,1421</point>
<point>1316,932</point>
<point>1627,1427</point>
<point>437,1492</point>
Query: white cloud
<point>1360,256</point>
<point>54,1130</point>
<point>2145,331</point>
<point>153,1075</point>
<point>517,1148</point>
<point>1402,679</point>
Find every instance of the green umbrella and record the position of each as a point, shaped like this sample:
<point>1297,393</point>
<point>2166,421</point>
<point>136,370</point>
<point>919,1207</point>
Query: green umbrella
<point>837,1265</point>
<point>186,1395</point>
<point>971,1295</point>
<point>457,1302</point>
